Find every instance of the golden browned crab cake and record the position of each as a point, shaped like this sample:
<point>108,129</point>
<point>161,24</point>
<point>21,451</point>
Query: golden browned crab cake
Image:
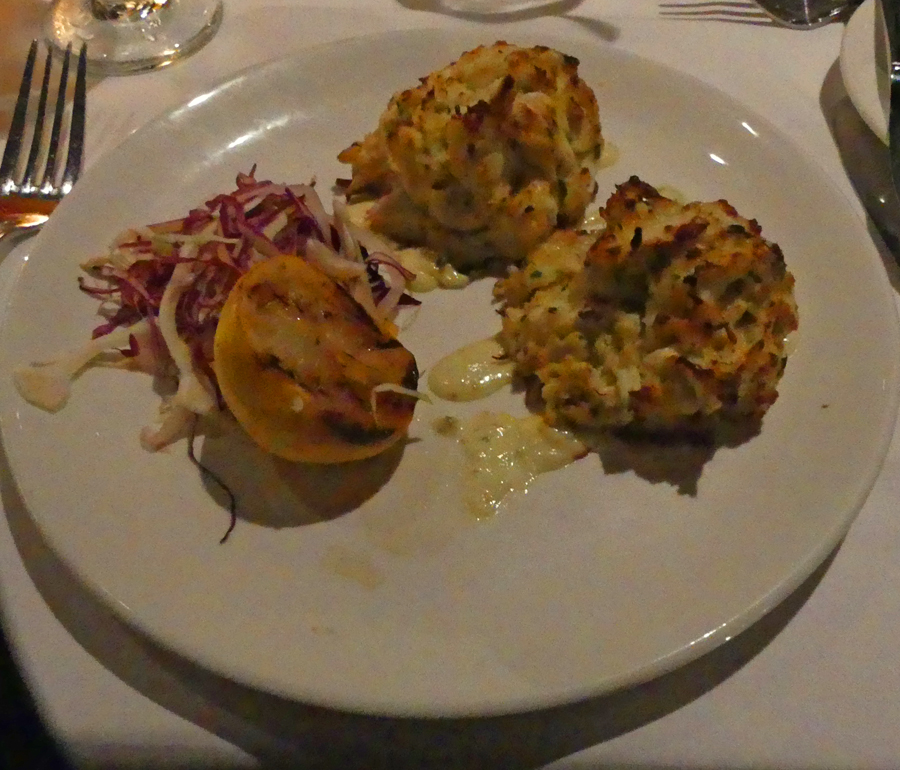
<point>485,158</point>
<point>674,319</point>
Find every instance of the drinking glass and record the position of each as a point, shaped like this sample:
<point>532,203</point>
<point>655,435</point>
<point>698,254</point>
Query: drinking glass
<point>127,36</point>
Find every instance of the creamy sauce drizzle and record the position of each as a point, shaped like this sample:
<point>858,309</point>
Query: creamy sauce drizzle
<point>791,342</point>
<point>504,454</point>
<point>421,261</point>
<point>428,275</point>
<point>593,222</point>
<point>471,372</point>
<point>610,155</point>
<point>668,191</point>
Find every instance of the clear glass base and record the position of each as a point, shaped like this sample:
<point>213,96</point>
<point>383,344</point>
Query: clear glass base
<point>491,7</point>
<point>128,36</point>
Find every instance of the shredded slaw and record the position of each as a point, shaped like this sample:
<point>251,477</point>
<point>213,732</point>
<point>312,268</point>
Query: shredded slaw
<point>163,286</point>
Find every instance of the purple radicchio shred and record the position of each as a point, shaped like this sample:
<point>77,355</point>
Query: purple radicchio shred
<point>138,289</point>
<point>214,477</point>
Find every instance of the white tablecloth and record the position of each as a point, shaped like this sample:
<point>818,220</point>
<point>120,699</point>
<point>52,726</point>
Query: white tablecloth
<point>815,684</point>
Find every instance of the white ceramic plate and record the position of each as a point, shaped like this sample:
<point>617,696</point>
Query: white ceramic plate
<point>864,66</point>
<point>390,598</point>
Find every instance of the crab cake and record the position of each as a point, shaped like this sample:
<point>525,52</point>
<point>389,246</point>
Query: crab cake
<point>485,158</point>
<point>674,319</point>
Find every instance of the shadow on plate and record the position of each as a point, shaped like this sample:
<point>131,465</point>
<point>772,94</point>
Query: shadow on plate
<point>677,462</point>
<point>276,493</point>
<point>281,733</point>
<point>457,9</point>
<point>561,8</point>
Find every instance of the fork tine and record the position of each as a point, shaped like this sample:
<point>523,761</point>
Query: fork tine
<point>50,171</point>
<point>76,128</point>
<point>37,138</point>
<point>17,127</point>
<point>719,15</point>
<point>720,5</point>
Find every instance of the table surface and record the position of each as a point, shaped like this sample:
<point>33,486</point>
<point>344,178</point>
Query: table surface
<point>814,684</point>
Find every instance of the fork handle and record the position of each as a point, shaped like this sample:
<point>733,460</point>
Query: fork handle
<point>21,224</point>
<point>20,214</point>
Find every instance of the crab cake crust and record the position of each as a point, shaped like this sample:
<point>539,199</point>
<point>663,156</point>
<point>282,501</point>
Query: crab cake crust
<point>485,158</point>
<point>673,320</point>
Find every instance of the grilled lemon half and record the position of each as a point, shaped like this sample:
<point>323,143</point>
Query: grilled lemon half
<point>306,371</point>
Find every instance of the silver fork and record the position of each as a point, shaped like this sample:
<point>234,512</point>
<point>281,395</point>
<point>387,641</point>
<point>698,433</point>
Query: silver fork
<point>29,193</point>
<point>719,10</point>
<point>796,14</point>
